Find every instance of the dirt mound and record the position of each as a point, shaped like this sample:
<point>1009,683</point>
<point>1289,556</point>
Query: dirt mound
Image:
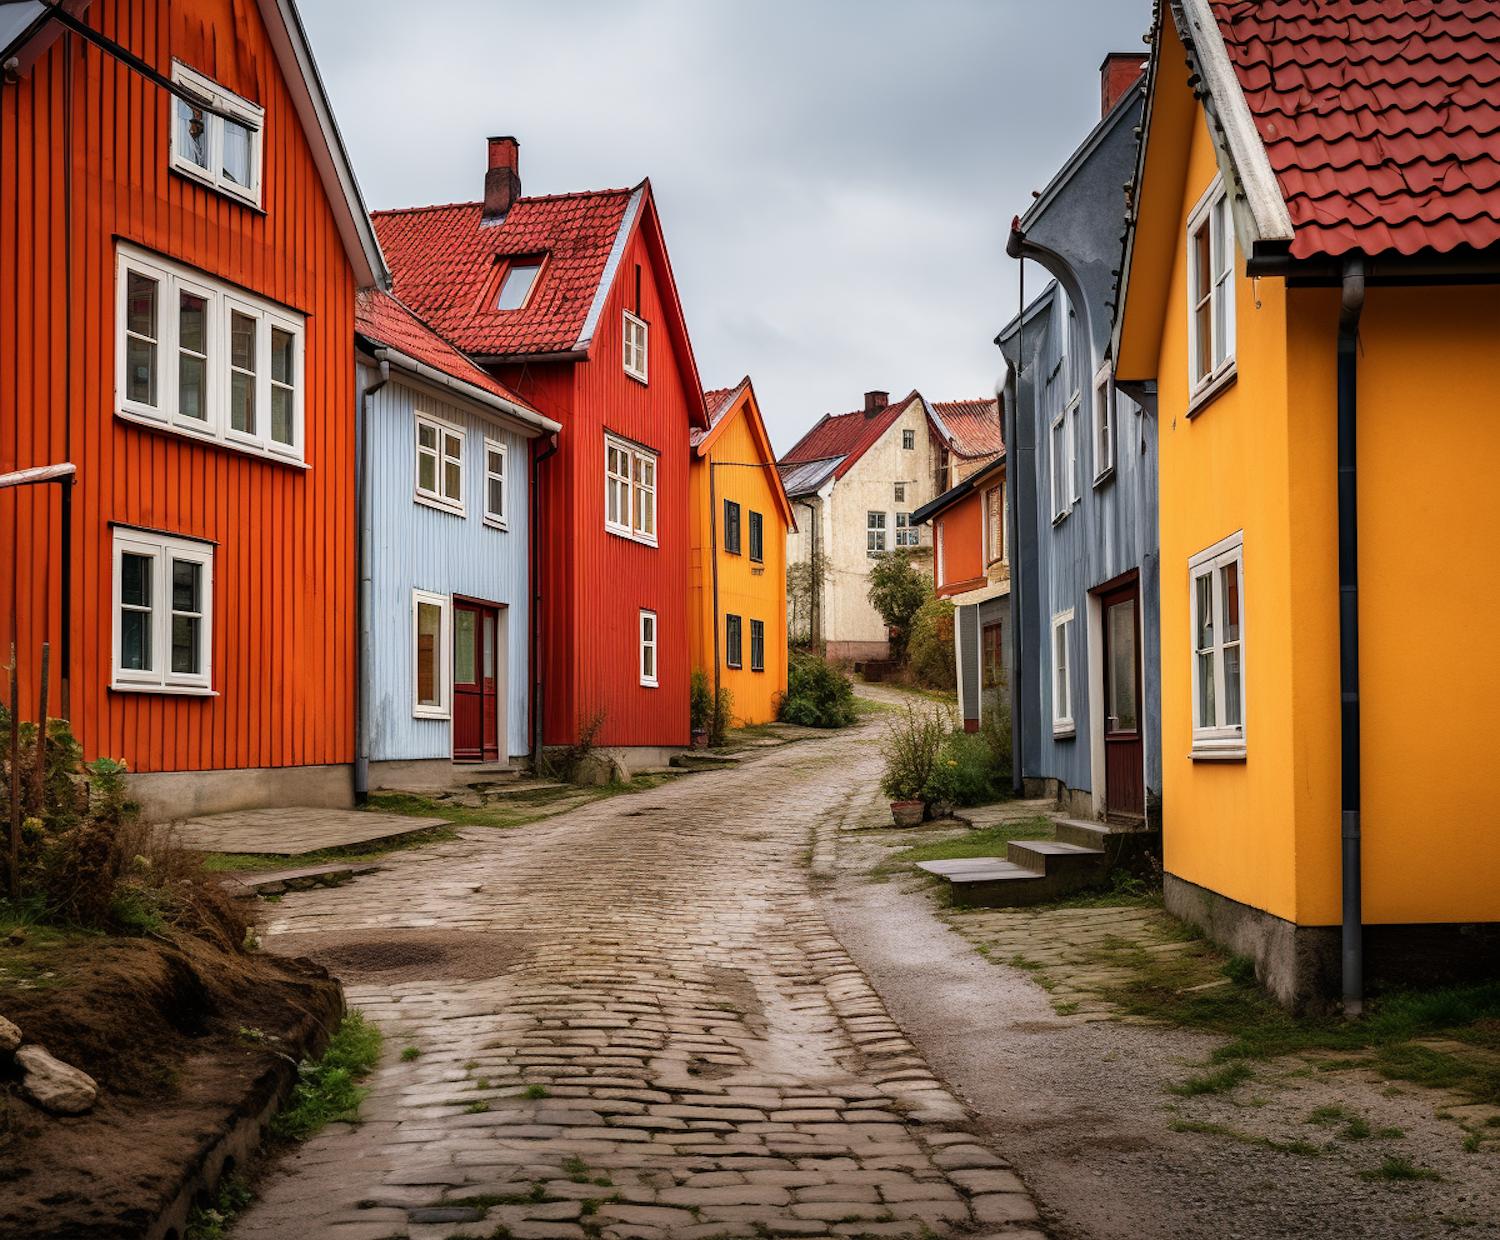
<point>385,956</point>
<point>183,1041</point>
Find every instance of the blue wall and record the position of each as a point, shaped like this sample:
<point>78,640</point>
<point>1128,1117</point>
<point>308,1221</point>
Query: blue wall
<point>417,547</point>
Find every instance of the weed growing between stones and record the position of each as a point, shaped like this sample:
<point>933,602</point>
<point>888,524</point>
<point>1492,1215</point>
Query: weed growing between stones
<point>214,1220</point>
<point>410,1053</point>
<point>535,1091</point>
<point>1306,1149</point>
<point>477,1108</point>
<point>328,1089</point>
<point>1220,1082</point>
<point>1399,1169</point>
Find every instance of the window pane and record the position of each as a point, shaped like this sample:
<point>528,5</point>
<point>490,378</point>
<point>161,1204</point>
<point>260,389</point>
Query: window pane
<point>242,377</point>
<point>427,437</point>
<point>517,284</point>
<point>648,662</point>
<point>452,480</point>
<point>281,414</point>
<point>1060,707</point>
<point>1231,686</point>
<point>1122,664</point>
<point>140,369</point>
<point>283,356</point>
<point>185,644</point>
<point>191,322</point>
<point>236,154</point>
<point>426,472</point>
<point>464,633</point>
<point>497,463</point>
<point>453,446</point>
<point>489,647</point>
<point>1202,307</point>
<point>429,651</point>
<point>612,494</point>
<point>1229,581</point>
<point>192,134</point>
<point>140,343</point>
<point>1206,716</point>
<point>1204,611</point>
<point>497,498</point>
<point>135,640</point>
<point>242,341</point>
<point>135,580</point>
<point>186,576</point>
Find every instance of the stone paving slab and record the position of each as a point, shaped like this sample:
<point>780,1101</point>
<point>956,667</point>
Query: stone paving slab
<point>293,830</point>
<point>685,1051</point>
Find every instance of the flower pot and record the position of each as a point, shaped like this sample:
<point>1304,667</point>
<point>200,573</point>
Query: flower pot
<point>700,738</point>
<point>907,813</point>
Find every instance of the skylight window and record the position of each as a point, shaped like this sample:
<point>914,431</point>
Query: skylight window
<point>516,286</point>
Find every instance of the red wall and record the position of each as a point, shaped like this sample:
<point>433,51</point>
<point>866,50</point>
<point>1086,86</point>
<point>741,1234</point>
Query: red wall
<point>594,583</point>
<point>283,653</point>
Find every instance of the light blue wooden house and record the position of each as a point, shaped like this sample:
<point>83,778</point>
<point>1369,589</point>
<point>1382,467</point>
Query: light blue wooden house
<point>445,546</point>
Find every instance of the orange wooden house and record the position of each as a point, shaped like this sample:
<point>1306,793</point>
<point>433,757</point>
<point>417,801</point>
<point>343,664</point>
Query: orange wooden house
<point>181,238</point>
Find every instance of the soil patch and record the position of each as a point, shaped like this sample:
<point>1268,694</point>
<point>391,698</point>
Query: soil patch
<point>386,956</point>
<point>184,1041</point>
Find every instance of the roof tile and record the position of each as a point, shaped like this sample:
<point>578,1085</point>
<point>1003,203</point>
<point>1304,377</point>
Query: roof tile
<point>974,426</point>
<point>846,435</point>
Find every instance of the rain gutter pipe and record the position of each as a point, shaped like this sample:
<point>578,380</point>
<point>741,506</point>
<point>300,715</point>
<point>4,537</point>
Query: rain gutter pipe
<point>1353,931</point>
<point>535,634</point>
<point>366,598</point>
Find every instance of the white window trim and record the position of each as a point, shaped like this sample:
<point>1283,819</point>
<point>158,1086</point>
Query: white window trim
<point>1104,462</point>
<point>498,520</point>
<point>633,452</point>
<point>162,548</point>
<point>654,680</point>
<point>643,352</point>
<point>1201,392</point>
<point>437,499</point>
<point>444,708</point>
<point>1068,421</point>
<point>994,526</point>
<point>882,529</point>
<point>1217,743</point>
<point>908,447</point>
<point>172,280</point>
<point>254,118</point>
<point>1062,724</point>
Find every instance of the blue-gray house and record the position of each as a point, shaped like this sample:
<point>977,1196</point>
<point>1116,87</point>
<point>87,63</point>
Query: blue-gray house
<point>1082,490</point>
<point>445,546</point>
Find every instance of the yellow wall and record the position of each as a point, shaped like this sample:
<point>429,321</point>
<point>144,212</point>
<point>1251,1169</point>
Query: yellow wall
<point>751,591</point>
<point>1262,459</point>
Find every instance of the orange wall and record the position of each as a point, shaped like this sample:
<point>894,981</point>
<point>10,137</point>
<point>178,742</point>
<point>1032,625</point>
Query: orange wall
<point>751,591</point>
<point>283,641</point>
<point>962,532</point>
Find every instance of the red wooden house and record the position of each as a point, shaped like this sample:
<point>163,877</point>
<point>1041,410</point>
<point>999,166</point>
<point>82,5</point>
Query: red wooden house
<point>181,238</point>
<point>570,301</point>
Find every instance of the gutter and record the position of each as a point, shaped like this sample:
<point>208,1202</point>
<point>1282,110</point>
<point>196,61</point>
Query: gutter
<point>534,421</point>
<point>1353,929</point>
<point>365,594</point>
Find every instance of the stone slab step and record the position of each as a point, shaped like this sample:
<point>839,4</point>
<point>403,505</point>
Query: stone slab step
<point>250,883</point>
<point>1056,857</point>
<point>978,869</point>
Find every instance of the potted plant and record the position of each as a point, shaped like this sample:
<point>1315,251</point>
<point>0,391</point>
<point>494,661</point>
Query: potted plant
<point>911,751</point>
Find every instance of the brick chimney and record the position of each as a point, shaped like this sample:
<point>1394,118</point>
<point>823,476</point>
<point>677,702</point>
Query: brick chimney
<point>1117,75</point>
<point>502,181</point>
<point>875,402</point>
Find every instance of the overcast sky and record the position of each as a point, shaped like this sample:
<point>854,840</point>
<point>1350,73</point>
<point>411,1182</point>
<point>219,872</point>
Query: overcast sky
<point>835,177</point>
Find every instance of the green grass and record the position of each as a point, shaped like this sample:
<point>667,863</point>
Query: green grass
<point>369,850</point>
<point>535,1091</point>
<point>329,1089</point>
<point>985,842</point>
<point>1220,1082</point>
<point>1399,1169</point>
<point>410,1053</point>
<point>869,706</point>
<point>213,1222</point>
<point>1303,1148</point>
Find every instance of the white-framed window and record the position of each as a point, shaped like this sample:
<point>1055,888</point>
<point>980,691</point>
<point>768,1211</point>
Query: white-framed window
<point>517,283</point>
<point>163,612</point>
<point>908,440</point>
<point>1217,585</point>
<point>994,525</point>
<point>907,534</point>
<point>874,533</point>
<point>432,665</point>
<point>440,465</point>
<point>1210,240</point>
<point>221,153</point>
<point>197,356</point>
<point>1062,459</point>
<point>1104,426</point>
<point>629,490</point>
<point>648,649</point>
<point>1062,673</point>
<point>635,347</point>
<point>496,482</point>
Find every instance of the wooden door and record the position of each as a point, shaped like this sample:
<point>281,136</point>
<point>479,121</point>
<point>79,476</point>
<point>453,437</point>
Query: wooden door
<point>1124,756</point>
<point>476,729</point>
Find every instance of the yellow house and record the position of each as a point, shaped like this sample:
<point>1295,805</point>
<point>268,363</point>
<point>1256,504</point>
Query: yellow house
<point>1309,306</point>
<point>740,519</point>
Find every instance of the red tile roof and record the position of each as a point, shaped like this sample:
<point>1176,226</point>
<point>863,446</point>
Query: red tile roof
<point>442,261</point>
<point>719,401</point>
<point>1381,117</point>
<point>848,435</point>
<point>973,426</point>
<point>385,321</point>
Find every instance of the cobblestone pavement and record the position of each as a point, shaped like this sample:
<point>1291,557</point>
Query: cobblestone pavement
<point>682,1051</point>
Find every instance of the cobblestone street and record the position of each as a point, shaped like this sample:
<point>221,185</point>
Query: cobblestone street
<point>678,1048</point>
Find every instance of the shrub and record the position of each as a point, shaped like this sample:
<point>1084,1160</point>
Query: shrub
<point>328,1089</point>
<point>700,700</point>
<point>818,695</point>
<point>563,762</point>
<point>994,726</point>
<point>898,589</point>
<point>911,752</point>
<point>930,656</point>
<point>965,772</point>
<point>722,718</point>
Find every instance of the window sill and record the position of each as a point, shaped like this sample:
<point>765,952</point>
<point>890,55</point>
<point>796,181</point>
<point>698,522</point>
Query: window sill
<point>1235,754</point>
<point>1104,476</point>
<point>1213,389</point>
<point>1061,517</point>
<point>628,537</point>
<point>1064,732</point>
<point>175,690</point>
<point>438,715</point>
<point>209,439</point>
<point>641,379</point>
<point>453,510</point>
<point>650,684</point>
<point>496,524</point>
<point>189,171</point>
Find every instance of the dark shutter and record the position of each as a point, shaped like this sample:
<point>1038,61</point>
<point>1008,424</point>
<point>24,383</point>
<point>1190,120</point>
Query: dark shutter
<point>757,644</point>
<point>731,527</point>
<point>732,655</point>
<point>757,537</point>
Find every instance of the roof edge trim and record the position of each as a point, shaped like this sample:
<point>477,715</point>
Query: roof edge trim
<point>611,267</point>
<point>533,422</point>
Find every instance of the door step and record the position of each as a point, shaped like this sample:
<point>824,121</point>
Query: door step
<point>1031,872</point>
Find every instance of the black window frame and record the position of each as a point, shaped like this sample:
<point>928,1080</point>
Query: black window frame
<point>757,645</point>
<point>733,641</point>
<point>757,538</point>
<point>731,527</point>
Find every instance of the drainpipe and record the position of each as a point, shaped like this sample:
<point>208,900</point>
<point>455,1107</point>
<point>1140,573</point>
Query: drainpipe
<point>1353,936</point>
<point>1009,395</point>
<point>536,604</point>
<point>366,603</point>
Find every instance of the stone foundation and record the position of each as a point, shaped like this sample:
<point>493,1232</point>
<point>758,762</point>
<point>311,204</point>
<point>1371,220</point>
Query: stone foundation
<point>167,795</point>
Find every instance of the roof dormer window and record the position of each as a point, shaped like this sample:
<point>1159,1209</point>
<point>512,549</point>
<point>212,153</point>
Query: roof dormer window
<point>517,283</point>
<point>221,149</point>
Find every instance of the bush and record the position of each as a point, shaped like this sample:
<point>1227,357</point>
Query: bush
<point>911,752</point>
<point>898,589</point>
<point>930,656</point>
<point>328,1089</point>
<point>817,695</point>
<point>965,772</point>
<point>700,700</point>
<point>994,726</point>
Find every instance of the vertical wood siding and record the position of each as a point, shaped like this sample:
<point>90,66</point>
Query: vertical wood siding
<point>283,639</point>
<point>421,548</point>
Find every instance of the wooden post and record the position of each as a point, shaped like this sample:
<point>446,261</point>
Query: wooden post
<point>15,776</point>
<point>40,802</point>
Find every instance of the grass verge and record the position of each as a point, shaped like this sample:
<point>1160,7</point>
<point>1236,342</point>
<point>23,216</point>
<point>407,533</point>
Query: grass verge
<point>985,842</point>
<point>1304,1148</point>
<point>328,1089</point>
<point>369,850</point>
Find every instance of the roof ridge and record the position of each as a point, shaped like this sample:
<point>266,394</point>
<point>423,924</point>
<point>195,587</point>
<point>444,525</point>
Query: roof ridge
<point>453,206</point>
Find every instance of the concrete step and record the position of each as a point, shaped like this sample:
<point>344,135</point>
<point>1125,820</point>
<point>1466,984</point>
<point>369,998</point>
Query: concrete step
<point>1032,872</point>
<point>1055,858</point>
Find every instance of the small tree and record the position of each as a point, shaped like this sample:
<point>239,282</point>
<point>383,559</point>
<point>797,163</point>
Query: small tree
<point>898,588</point>
<point>930,655</point>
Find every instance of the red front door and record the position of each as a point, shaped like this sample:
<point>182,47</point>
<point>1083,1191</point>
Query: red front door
<point>1124,755</point>
<point>476,720</point>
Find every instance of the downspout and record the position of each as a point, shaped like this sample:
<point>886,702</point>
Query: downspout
<point>366,604</point>
<point>1012,487</point>
<point>1353,937</point>
<point>536,604</point>
<point>713,559</point>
